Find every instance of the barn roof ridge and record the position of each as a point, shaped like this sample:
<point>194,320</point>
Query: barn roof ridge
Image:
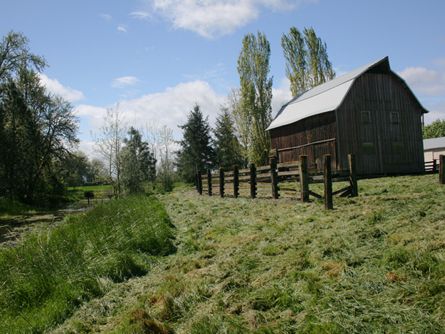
<point>323,98</point>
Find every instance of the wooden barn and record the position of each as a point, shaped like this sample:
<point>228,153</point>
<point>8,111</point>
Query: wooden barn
<point>370,112</point>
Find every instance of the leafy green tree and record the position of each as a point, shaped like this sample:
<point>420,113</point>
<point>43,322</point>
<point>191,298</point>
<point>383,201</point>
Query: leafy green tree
<point>77,169</point>
<point>256,94</point>
<point>435,129</point>
<point>196,153</point>
<point>138,162</point>
<point>227,146</point>
<point>307,62</point>
<point>37,131</point>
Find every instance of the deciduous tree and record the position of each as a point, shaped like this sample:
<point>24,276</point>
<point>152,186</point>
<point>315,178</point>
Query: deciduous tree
<point>307,61</point>
<point>256,94</point>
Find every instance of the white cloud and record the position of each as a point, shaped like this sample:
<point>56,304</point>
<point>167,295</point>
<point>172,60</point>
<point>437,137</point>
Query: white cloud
<point>55,87</point>
<point>425,81</point>
<point>121,28</point>
<point>105,16</point>
<point>124,82</point>
<point>280,96</point>
<point>169,107</point>
<point>140,15</point>
<point>218,17</point>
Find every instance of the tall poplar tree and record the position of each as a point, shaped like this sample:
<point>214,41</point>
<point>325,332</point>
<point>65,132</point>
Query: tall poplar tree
<point>256,94</point>
<point>307,61</point>
<point>196,153</point>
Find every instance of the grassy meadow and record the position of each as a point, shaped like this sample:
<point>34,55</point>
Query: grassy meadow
<point>375,264</point>
<point>51,272</point>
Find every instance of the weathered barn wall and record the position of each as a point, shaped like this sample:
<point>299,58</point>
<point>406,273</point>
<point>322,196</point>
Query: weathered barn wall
<point>380,121</point>
<point>313,136</point>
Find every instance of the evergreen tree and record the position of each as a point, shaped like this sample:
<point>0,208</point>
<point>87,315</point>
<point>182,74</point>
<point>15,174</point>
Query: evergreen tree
<point>256,94</point>
<point>196,153</point>
<point>307,62</point>
<point>227,146</point>
<point>138,162</point>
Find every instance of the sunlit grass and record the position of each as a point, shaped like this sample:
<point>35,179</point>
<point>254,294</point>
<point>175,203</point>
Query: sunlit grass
<point>375,264</point>
<point>49,274</point>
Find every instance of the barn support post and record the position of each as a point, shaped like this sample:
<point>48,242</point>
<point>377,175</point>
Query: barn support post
<point>253,188</point>
<point>442,169</point>
<point>328,204</point>
<point>274,177</point>
<point>221,182</point>
<point>353,175</point>
<point>235,181</point>
<point>209,182</point>
<point>304,179</point>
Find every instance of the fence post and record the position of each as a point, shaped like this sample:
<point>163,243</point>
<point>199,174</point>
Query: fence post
<point>442,169</point>
<point>327,183</point>
<point>209,182</point>
<point>252,180</point>
<point>434,166</point>
<point>353,175</point>
<point>199,182</point>
<point>235,181</point>
<point>304,179</point>
<point>221,182</point>
<point>274,177</point>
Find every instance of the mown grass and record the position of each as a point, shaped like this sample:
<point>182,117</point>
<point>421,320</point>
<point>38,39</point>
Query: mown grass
<point>375,264</point>
<point>49,274</point>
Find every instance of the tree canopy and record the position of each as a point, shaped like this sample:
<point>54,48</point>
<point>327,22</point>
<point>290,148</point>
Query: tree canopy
<point>255,111</point>
<point>307,61</point>
<point>227,146</point>
<point>37,129</point>
<point>435,129</point>
<point>196,153</point>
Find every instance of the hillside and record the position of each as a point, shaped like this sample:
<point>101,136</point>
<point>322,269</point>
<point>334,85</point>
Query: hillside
<point>374,264</point>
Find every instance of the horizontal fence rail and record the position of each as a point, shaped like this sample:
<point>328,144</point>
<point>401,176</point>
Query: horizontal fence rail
<point>280,177</point>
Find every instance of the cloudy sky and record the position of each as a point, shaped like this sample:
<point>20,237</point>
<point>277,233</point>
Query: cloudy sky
<point>157,58</point>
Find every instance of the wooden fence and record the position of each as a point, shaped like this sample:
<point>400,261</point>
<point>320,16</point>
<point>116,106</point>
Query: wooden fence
<point>276,176</point>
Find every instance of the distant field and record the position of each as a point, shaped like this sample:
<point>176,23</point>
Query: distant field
<point>375,264</point>
<point>100,191</point>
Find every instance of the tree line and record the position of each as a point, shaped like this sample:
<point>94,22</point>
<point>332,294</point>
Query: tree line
<point>38,130</point>
<point>240,135</point>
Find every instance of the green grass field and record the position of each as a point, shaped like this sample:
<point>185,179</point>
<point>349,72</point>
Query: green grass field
<point>50,273</point>
<point>375,264</point>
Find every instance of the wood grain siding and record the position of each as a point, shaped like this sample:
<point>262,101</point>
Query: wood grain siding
<point>313,136</point>
<point>391,140</point>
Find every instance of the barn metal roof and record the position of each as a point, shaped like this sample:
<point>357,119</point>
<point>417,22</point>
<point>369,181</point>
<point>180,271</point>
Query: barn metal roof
<point>433,143</point>
<point>323,98</point>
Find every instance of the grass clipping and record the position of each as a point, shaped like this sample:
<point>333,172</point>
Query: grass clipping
<point>375,264</point>
<point>49,274</point>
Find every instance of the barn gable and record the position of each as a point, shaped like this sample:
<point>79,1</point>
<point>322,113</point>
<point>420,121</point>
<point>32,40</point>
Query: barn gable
<point>328,96</point>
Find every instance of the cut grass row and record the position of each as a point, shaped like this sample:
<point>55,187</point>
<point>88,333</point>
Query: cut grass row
<point>375,264</point>
<point>49,274</point>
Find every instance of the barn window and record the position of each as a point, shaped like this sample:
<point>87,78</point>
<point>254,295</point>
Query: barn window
<point>394,117</point>
<point>366,116</point>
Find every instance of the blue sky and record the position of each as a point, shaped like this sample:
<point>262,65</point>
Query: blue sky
<point>158,57</point>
